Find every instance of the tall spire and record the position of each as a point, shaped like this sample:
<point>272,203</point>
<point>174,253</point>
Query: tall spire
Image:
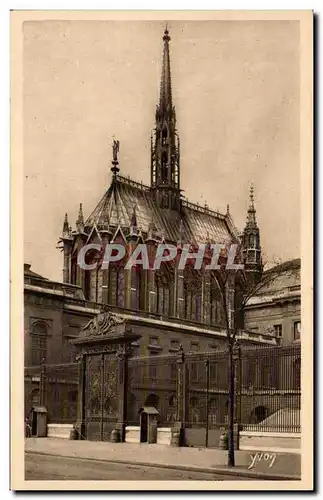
<point>165,98</point>
<point>165,162</point>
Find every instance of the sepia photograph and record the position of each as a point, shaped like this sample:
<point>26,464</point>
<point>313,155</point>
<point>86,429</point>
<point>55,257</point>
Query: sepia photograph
<point>161,306</point>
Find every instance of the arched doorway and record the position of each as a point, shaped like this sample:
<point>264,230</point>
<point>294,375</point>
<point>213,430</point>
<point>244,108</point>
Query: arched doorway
<point>259,414</point>
<point>152,400</point>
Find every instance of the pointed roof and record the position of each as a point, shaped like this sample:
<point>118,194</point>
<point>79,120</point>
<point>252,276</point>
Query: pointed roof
<point>193,223</point>
<point>65,225</point>
<point>165,99</point>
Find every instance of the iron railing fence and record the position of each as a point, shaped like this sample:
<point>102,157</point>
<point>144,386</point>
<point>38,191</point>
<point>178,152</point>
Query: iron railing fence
<point>152,381</point>
<point>268,388</point>
<point>191,388</point>
<point>56,388</point>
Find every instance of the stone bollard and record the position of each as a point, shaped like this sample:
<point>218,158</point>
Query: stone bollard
<point>176,436</point>
<point>115,436</point>
<point>152,432</point>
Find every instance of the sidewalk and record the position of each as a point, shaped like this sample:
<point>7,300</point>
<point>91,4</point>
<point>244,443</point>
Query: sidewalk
<point>286,466</point>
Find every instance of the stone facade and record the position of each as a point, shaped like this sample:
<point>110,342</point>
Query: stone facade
<point>56,312</point>
<point>276,307</point>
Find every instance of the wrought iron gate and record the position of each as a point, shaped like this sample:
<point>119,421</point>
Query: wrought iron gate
<point>101,396</point>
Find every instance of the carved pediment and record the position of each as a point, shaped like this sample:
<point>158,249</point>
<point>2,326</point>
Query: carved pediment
<point>101,324</point>
<point>106,331</point>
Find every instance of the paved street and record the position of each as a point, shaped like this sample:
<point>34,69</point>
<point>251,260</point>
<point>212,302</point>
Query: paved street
<point>41,467</point>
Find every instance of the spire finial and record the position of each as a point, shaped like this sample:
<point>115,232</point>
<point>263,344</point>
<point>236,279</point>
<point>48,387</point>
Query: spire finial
<point>115,150</point>
<point>166,36</point>
<point>251,218</point>
<point>228,209</point>
<point>65,226</point>
<point>80,220</point>
<point>251,195</point>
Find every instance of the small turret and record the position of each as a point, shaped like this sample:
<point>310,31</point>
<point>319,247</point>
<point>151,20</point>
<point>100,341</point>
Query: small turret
<point>251,241</point>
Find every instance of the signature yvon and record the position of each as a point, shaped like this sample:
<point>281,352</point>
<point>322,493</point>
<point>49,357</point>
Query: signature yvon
<point>270,458</point>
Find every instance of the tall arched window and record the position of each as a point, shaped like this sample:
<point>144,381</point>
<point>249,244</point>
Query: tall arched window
<point>39,343</point>
<point>138,289</point>
<point>116,286</point>
<point>216,307</point>
<point>162,294</point>
<point>192,295</point>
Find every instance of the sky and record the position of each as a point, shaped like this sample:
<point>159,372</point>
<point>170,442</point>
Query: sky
<point>236,89</point>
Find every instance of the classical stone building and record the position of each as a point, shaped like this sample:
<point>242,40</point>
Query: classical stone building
<point>276,307</point>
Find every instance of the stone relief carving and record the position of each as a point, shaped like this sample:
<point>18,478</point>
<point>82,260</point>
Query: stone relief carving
<point>101,324</point>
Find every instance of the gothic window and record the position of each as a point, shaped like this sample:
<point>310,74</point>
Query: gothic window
<point>116,286</point>
<point>163,294</point>
<point>39,343</point>
<point>215,305</point>
<point>136,289</point>
<point>192,295</point>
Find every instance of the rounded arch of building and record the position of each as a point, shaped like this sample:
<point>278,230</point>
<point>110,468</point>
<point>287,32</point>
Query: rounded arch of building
<point>258,414</point>
<point>152,400</point>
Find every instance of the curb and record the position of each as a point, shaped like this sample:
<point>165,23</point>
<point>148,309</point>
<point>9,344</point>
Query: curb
<point>216,470</point>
